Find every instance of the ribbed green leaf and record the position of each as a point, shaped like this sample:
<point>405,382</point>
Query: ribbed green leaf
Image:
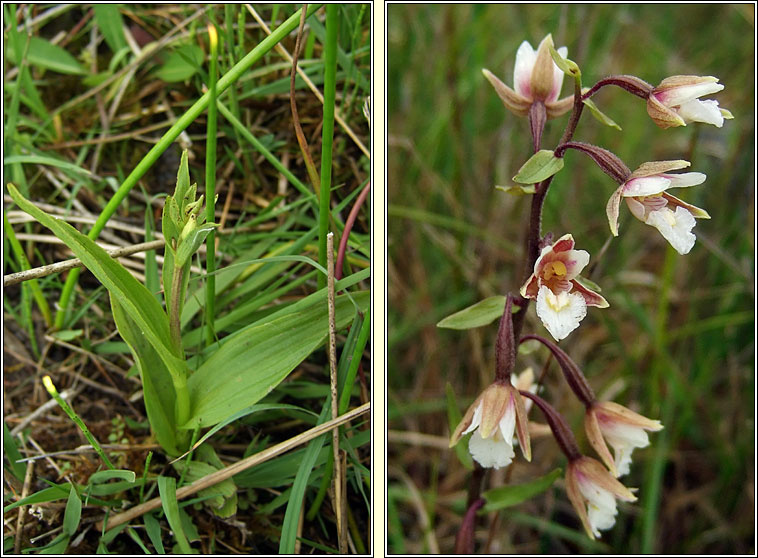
<point>157,385</point>
<point>480,314</point>
<point>512,494</point>
<point>258,357</point>
<point>134,297</point>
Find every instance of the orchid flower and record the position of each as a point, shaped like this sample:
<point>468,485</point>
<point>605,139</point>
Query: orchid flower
<point>536,78</point>
<point>493,418</point>
<point>620,427</point>
<point>593,493</point>
<point>562,299</point>
<point>676,101</point>
<point>645,194</point>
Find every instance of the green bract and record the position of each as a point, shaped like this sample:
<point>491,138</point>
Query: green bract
<point>540,166</point>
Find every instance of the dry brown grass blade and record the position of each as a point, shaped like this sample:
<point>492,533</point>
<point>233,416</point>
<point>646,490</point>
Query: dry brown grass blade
<point>238,467</point>
<point>301,141</point>
<point>281,50</point>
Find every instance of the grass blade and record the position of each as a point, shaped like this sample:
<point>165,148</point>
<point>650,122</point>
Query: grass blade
<point>327,131</point>
<point>167,490</point>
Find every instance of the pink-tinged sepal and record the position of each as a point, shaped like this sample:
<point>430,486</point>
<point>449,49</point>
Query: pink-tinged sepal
<point>591,298</point>
<point>536,79</point>
<point>676,102</point>
<point>645,194</point>
<point>611,423</point>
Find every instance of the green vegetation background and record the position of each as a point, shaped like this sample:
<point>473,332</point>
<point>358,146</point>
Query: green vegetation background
<point>677,342</point>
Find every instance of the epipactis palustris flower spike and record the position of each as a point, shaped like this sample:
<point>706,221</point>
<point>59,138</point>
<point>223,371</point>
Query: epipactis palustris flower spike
<point>676,102</point>
<point>593,493</point>
<point>620,427</point>
<point>536,79</point>
<point>645,194</point>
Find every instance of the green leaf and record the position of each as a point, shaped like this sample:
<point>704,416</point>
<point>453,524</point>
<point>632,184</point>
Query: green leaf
<point>517,189</point>
<point>568,67</point>
<point>111,25</point>
<point>73,513</point>
<point>157,385</point>
<point>297,495</point>
<point>57,546</point>
<point>602,117</point>
<point>167,490</point>
<point>44,54</point>
<point>52,494</point>
<point>513,494</point>
<point>42,160</point>
<point>12,454</point>
<point>67,334</point>
<point>181,64</point>
<point>137,302</point>
<point>191,244</point>
<point>105,476</point>
<point>243,413</point>
<point>480,314</point>
<point>454,418</point>
<point>540,166</point>
<point>153,529</point>
<point>221,498</point>
<point>252,361</point>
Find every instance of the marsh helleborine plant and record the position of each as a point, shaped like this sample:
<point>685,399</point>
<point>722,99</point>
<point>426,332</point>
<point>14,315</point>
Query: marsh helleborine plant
<point>562,295</point>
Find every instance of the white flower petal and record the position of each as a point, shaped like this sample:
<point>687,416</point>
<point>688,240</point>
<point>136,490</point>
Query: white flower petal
<point>560,313</point>
<point>576,261</point>
<point>624,438</point>
<point>685,179</point>
<point>677,96</point>
<point>637,208</point>
<point>645,186</point>
<point>492,452</point>
<point>601,506</point>
<point>476,420</point>
<point>675,226</point>
<point>526,56</point>
<point>508,422</point>
<point>702,111</point>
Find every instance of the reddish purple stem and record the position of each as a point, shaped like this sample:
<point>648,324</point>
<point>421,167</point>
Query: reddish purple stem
<point>348,227</point>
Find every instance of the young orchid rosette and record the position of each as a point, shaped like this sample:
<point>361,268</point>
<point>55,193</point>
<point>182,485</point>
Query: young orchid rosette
<point>493,418</point>
<point>620,427</point>
<point>536,79</point>
<point>645,193</point>
<point>676,102</point>
<point>593,493</point>
<point>562,300</point>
